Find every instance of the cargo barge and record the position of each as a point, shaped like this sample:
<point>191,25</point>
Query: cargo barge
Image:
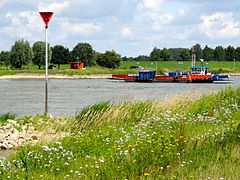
<point>198,74</point>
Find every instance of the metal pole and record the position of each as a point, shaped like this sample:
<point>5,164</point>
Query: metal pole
<point>156,66</point>
<point>46,75</point>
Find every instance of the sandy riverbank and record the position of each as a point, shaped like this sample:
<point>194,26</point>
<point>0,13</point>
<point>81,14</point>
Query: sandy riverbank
<point>60,76</point>
<point>54,76</point>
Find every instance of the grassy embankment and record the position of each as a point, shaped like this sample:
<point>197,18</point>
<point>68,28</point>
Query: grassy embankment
<point>215,67</point>
<point>178,139</point>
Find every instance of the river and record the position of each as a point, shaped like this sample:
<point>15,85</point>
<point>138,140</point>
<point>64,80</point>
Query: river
<point>67,97</point>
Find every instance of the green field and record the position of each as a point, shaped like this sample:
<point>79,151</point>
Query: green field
<point>178,139</point>
<point>165,66</point>
<point>161,66</point>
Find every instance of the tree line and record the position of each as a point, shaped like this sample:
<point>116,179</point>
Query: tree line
<point>185,54</point>
<point>22,53</point>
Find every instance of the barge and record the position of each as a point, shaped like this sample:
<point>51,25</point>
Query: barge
<point>198,74</point>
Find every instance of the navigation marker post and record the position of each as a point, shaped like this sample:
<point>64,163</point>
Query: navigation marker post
<point>46,17</point>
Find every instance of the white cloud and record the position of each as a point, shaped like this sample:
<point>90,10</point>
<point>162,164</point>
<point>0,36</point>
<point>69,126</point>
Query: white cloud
<point>23,24</point>
<point>55,7</point>
<point>220,26</point>
<point>126,31</point>
<point>84,29</point>
<point>152,5</point>
<point>160,20</point>
<point>2,2</point>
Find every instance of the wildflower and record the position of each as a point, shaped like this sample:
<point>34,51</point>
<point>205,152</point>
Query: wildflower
<point>150,142</point>
<point>101,160</point>
<point>65,177</point>
<point>146,174</point>
<point>46,148</point>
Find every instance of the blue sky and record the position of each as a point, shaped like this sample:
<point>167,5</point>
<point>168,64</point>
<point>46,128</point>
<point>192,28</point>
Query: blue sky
<point>131,27</point>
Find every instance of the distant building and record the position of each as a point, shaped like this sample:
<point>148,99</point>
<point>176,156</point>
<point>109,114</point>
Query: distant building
<point>77,65</point>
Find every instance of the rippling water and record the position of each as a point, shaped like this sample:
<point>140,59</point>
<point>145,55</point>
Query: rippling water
<point>66,97</point>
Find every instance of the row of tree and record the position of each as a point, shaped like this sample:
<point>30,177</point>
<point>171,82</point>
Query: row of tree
<point>22,53</point>
<point>184,54</point>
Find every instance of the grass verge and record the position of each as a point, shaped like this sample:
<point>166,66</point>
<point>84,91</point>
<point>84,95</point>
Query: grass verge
<point>184,139</point>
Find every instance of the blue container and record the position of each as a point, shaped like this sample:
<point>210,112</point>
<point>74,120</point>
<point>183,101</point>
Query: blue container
<point>146,75</point>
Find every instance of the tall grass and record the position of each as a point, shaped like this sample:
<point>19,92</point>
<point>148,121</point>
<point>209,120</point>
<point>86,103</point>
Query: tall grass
<point>192,139</point>
<point>5,117</point>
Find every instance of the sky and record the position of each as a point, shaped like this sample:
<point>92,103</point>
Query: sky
<point>130,27</point>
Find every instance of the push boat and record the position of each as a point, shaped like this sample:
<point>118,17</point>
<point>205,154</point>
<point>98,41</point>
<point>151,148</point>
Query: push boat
<point>198,74</point>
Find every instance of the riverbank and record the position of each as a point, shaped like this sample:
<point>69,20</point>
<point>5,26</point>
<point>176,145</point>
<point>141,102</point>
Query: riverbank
<point>178,139</point>
<point>25,76</point>
<point>53,76</point>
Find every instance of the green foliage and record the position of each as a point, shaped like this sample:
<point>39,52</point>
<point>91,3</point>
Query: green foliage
<point>5,117</point>
<point>20,54</point>
<point>160,55</point>
<point>184,55</point>
<point>155,55</point>
<point>179,139</point>
<point>237,51</point>
<point>208,53</point>
<point>198,51</point>
<point>109,59</point>
<point>60,55</point>
<point>219,53</point>
<point>39,53</point>
<point>84,52</point>
<point>230,53</point>
<point>4,58</point>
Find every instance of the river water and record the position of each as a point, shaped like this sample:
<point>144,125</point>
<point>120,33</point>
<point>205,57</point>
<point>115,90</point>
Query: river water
<point>67,97</point>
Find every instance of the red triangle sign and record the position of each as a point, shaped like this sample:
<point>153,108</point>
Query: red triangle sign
<point>46,17</point>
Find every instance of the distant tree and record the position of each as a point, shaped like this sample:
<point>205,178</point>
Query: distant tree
<point>141,58</point>
<point>230,53</point>
<point>175,52</point>
<point>208,53</point>
<point>185,55</point>
<point>238,53</point>
<point>39,53</point>
<point>5,58</point>
<point>166,55</point>
<point>60,55</point>
<point>84,52</point>
<point>219,53</point>
<point>198,51</point>
<point>156,55</point>
<point>109,59</point>
<point>20,54</point>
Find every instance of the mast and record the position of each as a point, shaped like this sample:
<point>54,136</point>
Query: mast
<point>193,57</point>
